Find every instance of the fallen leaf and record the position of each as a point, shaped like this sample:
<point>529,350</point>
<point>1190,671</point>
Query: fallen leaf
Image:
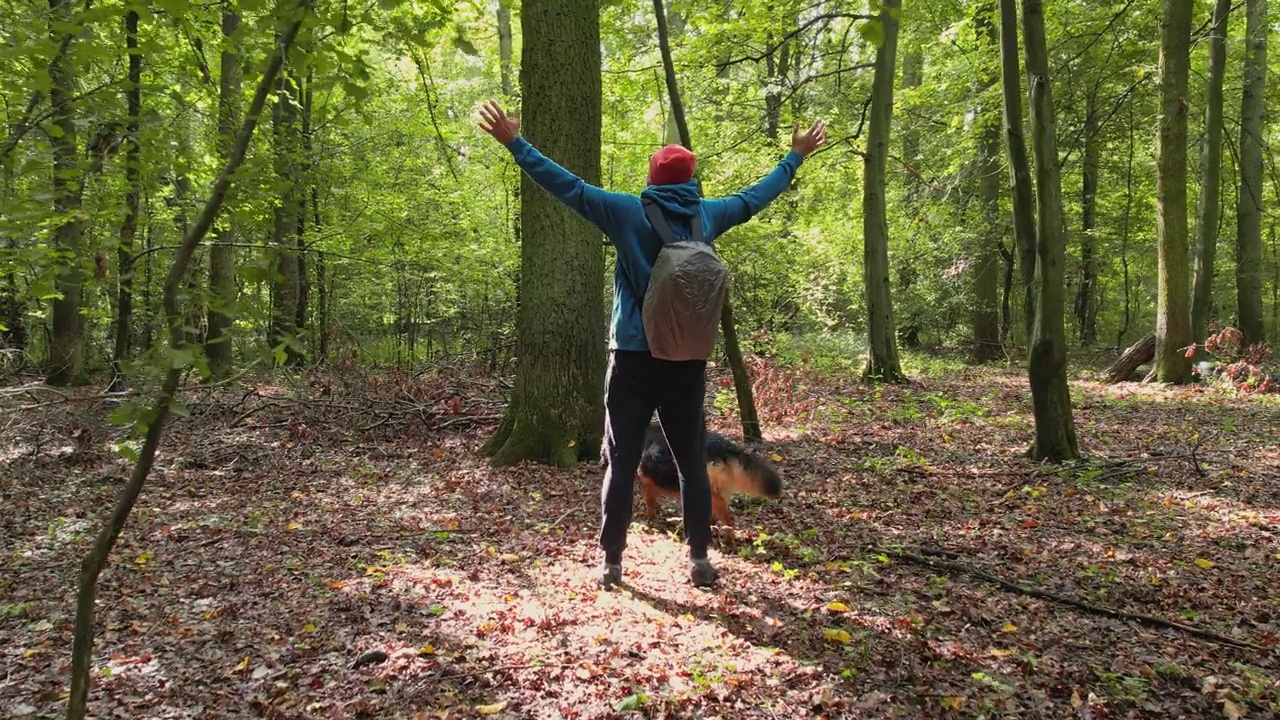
<point>1204,564</point>
<point>293,526</point>
<point>836,606</point>
<point>1027,525</point>
<point>633,701</point>
<point>1009,627</point>
<point>1231,710</point>
<point>839,636</point>
<point>143,558</point>
<point>510,557</point>
<point>244,665</point>
<point>493,709</point>
<point>337,585</point>
<point>1076,700</point>
<point>952,702</point>
<point>308,628</point>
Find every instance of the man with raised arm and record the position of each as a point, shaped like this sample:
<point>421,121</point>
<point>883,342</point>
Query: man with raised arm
<point>638,382</point>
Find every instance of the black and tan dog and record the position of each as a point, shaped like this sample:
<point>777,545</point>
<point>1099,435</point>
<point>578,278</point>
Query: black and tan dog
<point>730,467</point>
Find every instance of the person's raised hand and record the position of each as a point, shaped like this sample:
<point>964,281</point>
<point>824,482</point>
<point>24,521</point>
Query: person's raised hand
<point>495,122</point>
<point>807,141</point>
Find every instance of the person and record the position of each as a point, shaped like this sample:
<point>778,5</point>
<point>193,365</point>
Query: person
<point>637,383</point>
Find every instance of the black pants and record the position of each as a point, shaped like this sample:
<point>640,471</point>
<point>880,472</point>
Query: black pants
<point>637,384</point>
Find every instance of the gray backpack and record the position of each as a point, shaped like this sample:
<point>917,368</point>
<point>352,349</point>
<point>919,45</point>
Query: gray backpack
<point>686,291</point>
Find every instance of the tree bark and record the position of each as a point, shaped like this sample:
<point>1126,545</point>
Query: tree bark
<point>1137,355</point>
<point>1024,209</point>
<point>133,196</point>
<point>222,256</point>
<point>750,419</point>
<point>556,413</point>
<point>1173,313</point>
<point>180,357</point>
<point>305,178</point>
<point>1055,439</point>
<point>1249,212</point>
<point>1210,179</point>
<point>66,348</point>
<point>1086,301</point>
<point>882,344</point>
<point>987,337</point>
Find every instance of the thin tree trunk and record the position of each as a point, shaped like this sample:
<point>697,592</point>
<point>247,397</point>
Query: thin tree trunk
<point>96,560</point>
<point>1173,314</point>
<point>556,414</point>
<point>222,256</point>
<point>132,201</point>
<point>1086,302</point>
<point>882,344</point>
<point>1249,212</point>
<point>1024,209</point>
<point>987,339</point>
<point>285,285</point>
<point>1047,360</point>
<point>66,349</point>
<point>912,76</point>
<point>733,350</point>
<point>1210,179</point>
<point>505,46</point>
<point>305,179</point>
<point>1124,236</point>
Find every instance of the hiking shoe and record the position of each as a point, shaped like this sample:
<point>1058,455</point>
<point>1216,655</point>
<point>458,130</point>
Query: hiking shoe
<point>611,576</point>
<point>702,573</point>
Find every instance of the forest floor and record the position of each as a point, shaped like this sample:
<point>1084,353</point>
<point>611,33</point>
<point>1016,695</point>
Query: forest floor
<point>339,549</point>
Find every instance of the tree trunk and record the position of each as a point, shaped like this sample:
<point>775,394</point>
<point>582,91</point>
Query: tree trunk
<point>96,560</point>
<point>1047,360</point>
<point>882,344</point>
<point>305,178</point>
<point>132,201</point>
<point>733,350</point>
<point>222,256</point>
<point>285,284</point>
<point>912,76</point>
<point>1210,179</point>
<point>987,338</point>
<point>1024,209</point>
<point>66,348</point>
<point>1173,313</point>
<point>1086,302</point>
<point>1137,355</point>
<point>1249,212</point>
<point>556,413</point>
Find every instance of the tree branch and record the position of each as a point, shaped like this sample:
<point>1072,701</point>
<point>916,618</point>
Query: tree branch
<point>721,66</point>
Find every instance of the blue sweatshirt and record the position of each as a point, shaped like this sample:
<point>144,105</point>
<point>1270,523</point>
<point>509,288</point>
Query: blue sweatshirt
<point>621,217</point>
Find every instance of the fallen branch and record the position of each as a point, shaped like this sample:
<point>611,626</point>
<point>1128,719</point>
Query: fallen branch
<point>1148,620</point>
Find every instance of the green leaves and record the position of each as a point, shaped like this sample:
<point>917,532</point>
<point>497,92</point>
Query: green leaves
<point>872,31</point>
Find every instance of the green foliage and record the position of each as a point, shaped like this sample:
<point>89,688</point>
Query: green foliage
<point>415,211</point>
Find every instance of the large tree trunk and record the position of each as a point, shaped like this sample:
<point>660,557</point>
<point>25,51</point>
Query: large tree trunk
<point>1173,313</point>
<point>1047,360</point>
<point>1024,209</point>
<point>222,256</point>
<point>96,560</point>
<point>1249,211</point>
<point>132,200</point>
<point>1086,303</point>
<point>1210,179</point>
<point>66,349</point>
<point>987,339</point>
<point>882,344</point>
<point>556,413</point>
<point>284,289</point>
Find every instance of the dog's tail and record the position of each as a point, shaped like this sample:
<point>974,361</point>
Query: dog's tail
<point>743,471</point>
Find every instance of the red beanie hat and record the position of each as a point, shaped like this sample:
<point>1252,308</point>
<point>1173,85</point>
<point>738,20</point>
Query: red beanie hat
<point>671,165</point>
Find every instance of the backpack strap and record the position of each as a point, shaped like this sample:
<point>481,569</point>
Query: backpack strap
<point>663,228</point>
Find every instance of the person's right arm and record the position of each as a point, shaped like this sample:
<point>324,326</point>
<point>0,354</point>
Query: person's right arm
<point>727,212</point>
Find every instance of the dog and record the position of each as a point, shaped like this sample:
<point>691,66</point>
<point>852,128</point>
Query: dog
<point>730,467</point>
